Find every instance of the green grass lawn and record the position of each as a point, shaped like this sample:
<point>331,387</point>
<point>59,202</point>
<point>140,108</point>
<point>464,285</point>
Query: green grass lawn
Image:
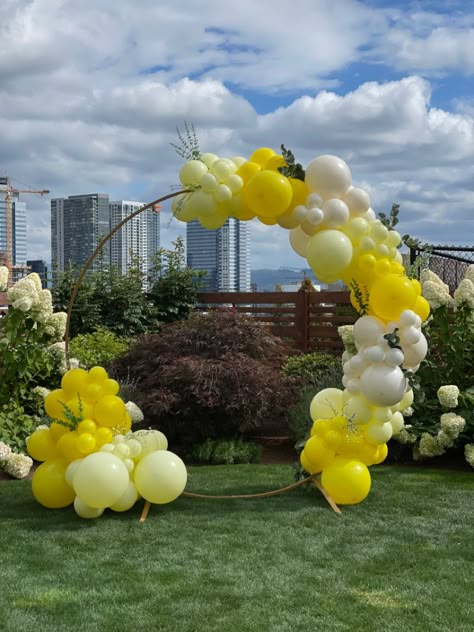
<point>402,561</point>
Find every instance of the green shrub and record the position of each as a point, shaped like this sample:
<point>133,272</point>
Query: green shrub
<point>16,426</point>
<point>227,452</point>
<point>318,371</point>
<point>98,348</point>
<point>315,368</point>
<point>212,376</point>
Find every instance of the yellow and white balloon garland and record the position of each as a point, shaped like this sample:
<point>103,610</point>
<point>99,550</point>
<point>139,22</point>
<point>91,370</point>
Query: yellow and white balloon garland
<point>332,225</point>
<point>90,457</point>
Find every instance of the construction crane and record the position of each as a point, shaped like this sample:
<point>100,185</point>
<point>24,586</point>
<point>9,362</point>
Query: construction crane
<point>6,187</point>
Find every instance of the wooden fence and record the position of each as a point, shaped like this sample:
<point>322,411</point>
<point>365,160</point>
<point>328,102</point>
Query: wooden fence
<point>308,319</point>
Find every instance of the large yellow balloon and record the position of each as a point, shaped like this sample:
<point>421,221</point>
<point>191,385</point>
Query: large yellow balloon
<point>318,452</point>
<point>110,411</point>
<point>347,481</point>
<point>67,446</point>
<point>422,308</point>
<point>391,295</point>
<point>97,375</point>
<point>329,253</point>
<point>41,445</point>
<point>53,403</point>
<point>307,465</point>
<point>247,171</point>
<point>74,382</point>
<point>160,477</point>
<point>49,484</point>
<point>262,155</point>
<point>268,193</point>
<point>100,479</point>
<point>214,221</point>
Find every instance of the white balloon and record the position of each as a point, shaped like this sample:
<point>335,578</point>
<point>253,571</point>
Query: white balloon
<point>398,257</point>
<point>299,241</point>
<point>314,200</point>
<point>410,335</point>
<point>329,176</point>
<point>416,353</point>
<point>394,357</point>
<point>237,160</point>
<point>374,354</point>
<point>383,385</point>
<point>366,330</point>
<point>336,213</point>
<point>314,216</point>
<point>408,318</point>
<point>370,216</point>
<point>353,385</point>
<point>300,212</point>
<point>358,364</point>
<point>357,200</point>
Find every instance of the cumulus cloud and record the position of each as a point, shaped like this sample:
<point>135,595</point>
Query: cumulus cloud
<point>91,93</point>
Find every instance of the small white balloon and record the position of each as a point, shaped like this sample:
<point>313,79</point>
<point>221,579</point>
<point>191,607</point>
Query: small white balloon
<point>314,216</point>
<point>408,318</point>
<point>383,385</point>
<point>370,216</point>
<point>374,354</point>
<point>314,200</point>
<point>357,200</point>
<point>353,385</point>
<point>415,354</point>
<point>410,335</point>
<point>366,330</point>
<point>336,213</point>
<point>394,357</point>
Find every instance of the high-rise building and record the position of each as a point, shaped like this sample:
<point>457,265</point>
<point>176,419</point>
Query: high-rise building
<point>18,230</point>
<point>224,254</point>
<point>41,268</point>
<point>138,239</point>
<point>77,224</point>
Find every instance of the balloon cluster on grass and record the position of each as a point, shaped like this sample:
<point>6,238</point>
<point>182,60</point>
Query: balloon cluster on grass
<point>333,226</point>
<point>91,458</point>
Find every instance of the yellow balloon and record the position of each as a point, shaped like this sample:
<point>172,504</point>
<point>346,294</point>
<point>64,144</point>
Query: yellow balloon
<point>74,381</point>
<point>422,308</point>
<point>93,392</point>
<point>247,171</point>
<point>53,403</point>
<point>238,208</point>
<point>318,453</point>
<point>391,295</point>
<point>275,162</point>
<point>110,411</point>
<point>262,155</point>
<point>213,222</point>
<point>329,253</point>
<point>86,443</point>
<point>57,431</point>
<point>191,172</point>
<point>49,484</point>
<point>382,452</point>
<point>307,465</point>
<point>268,221</point>
<point>160,477</point>
<point>67,446</point>
<point>80,408</point>
<point>103,435</point>
<point>268,193</point>
<point>97,375</point>
<point>41,445</point>
<point>326,404</point>
<point>87,425</point>
<point>110,387</point>
<point>347,481</point>
<point>100,479</point>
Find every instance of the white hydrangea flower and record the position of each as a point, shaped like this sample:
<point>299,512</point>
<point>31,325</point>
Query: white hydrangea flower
<point>135,413</point>
<point>464,293</point>
<point>24,288</point>
<point>5,451</point>
<point>469,453</point>
<point>346,334</point>
<point>58,322</point>
<point>346,356</point>
<point>41,391</point>
<point>405,437</point>
<point>35,277</point>
<point>470,273</point>
<point>24,304</point>
<point>436,295</point>
<point>452,424</point>
<point>427,276</point>
<point>18,465</point>
<point>3,278</point>
<point>43,309</point>
<point>445,440</point>
<point>429,446</point>
<point>408,411</point>
<point>448,396</point>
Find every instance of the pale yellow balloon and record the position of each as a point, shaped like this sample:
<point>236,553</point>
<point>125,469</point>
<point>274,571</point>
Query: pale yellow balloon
<point>299,241</point>
<point>86,512</point>
<point>160,477</point>
<point>191,172</point>
<point>326,404</point>
<point>379,433</point>
<point>100,480</point>
<point>127,499</point>
<point>329,252</point>
<point>182,209</point>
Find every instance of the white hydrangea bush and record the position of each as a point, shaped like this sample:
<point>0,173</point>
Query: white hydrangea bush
<point>15,465</point>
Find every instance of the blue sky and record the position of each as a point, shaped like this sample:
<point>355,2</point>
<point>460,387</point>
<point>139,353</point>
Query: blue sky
<point>91,94</point>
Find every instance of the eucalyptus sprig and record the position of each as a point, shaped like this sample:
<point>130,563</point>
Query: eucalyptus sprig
<point>391,220</point>
<point>189,143</point>
<point>293,169</point>
<point>361,296</point>
<point>72,420</point>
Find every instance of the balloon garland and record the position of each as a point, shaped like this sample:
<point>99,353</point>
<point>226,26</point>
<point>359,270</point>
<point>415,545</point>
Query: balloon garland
<point>332,225</point>
<point>92,459</point>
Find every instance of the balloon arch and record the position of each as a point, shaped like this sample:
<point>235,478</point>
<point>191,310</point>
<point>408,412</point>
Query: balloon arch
<point>331,225</point>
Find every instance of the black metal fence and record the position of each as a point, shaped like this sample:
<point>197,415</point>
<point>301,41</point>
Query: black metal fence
<point>448,262</point>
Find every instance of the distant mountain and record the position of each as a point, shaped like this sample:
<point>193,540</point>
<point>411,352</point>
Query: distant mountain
<point>266,279</point>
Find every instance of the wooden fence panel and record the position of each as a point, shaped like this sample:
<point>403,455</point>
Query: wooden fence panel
<point>309,320</point>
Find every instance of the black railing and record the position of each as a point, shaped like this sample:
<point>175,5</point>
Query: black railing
<point>448,262</point>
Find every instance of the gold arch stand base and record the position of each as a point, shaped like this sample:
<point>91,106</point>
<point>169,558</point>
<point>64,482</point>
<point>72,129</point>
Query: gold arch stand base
<point>274,492</point>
